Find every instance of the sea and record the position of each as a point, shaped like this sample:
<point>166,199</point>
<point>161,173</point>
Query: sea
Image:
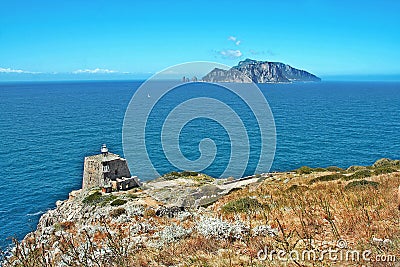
<point>47,128</point>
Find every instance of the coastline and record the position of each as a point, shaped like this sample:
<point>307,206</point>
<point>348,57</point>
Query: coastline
<point>175,209</point>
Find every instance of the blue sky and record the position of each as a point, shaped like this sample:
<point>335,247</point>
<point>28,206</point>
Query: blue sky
<point>131,39</point>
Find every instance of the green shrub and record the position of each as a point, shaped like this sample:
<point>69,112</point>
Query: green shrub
<point>304,170</point>
<point>325,178</point>
<point>360,184</point>
<point>171,176</point>
<point>241,205</point>
<point>319,169</point>
<point>118,202</point>
<point>356,168</point>
<point>383,170</point>
<point>202,179</point>
<point>175,175</point>
<point>148,213</point>
<point>107,199</point>
<point>386,163</point>
<point>117,212</point>
<point>93,198</point>
<point>189,173</point>
<point>334,169</point>
<point>97,198</point>
<point>63,226</point>
<point>358,175</point>
<point>131,196</point>
<point>57,227</point>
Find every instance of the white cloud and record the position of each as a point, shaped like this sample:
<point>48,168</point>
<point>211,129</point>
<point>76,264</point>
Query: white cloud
<point>94,71</point>
<point>9,70</point>
<point>234,39</point>
<point>229,53</point>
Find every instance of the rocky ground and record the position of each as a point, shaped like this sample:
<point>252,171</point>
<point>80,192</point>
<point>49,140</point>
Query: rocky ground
<point>190,219</point>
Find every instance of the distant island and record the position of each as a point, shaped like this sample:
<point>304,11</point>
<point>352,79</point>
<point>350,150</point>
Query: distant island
<point>250,70</point>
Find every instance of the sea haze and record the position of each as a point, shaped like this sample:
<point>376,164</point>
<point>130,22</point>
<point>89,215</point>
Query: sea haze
<point>46,129</point>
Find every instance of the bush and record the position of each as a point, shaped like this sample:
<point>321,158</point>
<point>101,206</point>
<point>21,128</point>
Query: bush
<point>386,163</point>
<point>68,225</point>
<point>334,169</point>
<point>325,178</point>
<point>94,198</point>
<point>118,202</point>
<point>241,205</point>
<point>57,227</point>
<point>189,173</point>
<point>361,184</point>
<point>149,213</point>
<point>117,212</point>
<point>220,229</point>
<point>131,196</point>
<point>173,233</point>
<point>97,198</point>
<point>356,168</point>
<point>358,175</point>
<point>175,175</point>
<point>383,170</point>
<point>304,170</point>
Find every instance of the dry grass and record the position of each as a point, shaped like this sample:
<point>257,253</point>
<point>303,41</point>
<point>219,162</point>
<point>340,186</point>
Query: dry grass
<point>305,215</point>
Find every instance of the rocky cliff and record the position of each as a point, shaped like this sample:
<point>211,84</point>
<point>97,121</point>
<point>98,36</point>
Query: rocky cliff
<point>190,219</point>
<point>260,72</point>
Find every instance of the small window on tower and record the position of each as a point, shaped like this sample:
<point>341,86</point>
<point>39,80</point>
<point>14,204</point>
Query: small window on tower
<point>116,172</point>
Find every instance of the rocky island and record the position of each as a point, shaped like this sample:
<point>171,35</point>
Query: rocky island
<point>260,72</point>
<point>191,219</point>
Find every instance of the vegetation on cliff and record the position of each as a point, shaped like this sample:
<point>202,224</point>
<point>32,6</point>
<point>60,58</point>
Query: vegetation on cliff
<point>283,212</point>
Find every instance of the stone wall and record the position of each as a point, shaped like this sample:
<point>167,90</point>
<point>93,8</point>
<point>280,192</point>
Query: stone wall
<point>119,168</point>
<point>93,171</point>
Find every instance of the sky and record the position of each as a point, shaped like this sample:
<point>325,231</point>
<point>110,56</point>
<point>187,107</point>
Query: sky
<point>334,39</point>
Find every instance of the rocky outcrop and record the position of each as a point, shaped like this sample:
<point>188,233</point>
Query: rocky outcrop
<point>92,228</point>
<point>260,72</point>
<point>143,226</point>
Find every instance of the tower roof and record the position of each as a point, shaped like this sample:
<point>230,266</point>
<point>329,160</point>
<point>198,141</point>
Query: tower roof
<point>104,149</point>
<point>100,157</point>
<point>105,155</point>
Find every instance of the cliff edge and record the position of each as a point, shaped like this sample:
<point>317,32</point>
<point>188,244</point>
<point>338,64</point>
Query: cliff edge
<point>190,219</point>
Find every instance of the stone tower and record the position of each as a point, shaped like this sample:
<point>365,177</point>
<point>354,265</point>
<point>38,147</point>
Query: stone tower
<point>103,169</point>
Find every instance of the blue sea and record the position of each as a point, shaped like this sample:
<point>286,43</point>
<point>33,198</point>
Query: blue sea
<point>47,128</point>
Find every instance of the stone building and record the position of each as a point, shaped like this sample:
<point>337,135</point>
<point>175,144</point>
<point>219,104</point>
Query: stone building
<point>107,170</point>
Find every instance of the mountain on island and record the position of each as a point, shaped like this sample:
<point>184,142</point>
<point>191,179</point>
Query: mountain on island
<point>250,70</point>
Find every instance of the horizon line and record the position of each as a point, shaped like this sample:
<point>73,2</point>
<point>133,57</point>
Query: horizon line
<point>175,79</point>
